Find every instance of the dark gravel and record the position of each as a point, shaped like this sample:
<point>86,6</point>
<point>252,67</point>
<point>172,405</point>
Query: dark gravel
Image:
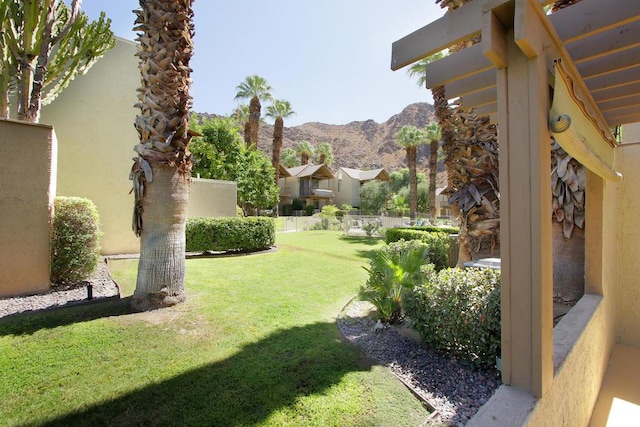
<point>102,285</point>
<point>454,390</point>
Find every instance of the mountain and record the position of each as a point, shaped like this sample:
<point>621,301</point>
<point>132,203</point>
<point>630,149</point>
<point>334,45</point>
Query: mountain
<point>361,145</point>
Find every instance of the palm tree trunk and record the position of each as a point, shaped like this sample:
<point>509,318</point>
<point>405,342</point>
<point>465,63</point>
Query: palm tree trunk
<point>278,129</point>
<point>254,120</point>
<point>161,270</point>
<point>433,166</point>
<point>412,157</point>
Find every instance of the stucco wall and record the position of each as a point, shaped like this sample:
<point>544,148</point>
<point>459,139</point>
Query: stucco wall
<point>628,250</point>
<point>631,133</point>
<point>93,119</point>
<point>212,198</point>
<point>27,173</point>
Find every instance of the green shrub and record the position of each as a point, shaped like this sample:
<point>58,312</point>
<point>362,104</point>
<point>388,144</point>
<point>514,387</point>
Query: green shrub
<point>328,219</point>
<point>437,242</point>
<point>393,271</point>
<point>309,209</point>
<point>434,228</point>
<point>75,240</point>
<point>458,311</point>
<point>230,234</point>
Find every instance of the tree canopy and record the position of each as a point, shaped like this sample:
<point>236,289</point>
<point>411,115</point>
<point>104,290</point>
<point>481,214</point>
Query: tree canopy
<point>220,154</point>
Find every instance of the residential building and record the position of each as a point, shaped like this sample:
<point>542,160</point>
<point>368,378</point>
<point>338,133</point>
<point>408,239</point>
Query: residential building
<point>347,183</point>
<point>308,183</point>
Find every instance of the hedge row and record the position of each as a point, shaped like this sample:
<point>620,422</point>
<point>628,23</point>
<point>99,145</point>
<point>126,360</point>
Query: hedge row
<point>433,228</point>
<point>229,234</point>
<point>415,233</point>
<point>458,311</point>
<point>75,240</point>
<point>438,243</point>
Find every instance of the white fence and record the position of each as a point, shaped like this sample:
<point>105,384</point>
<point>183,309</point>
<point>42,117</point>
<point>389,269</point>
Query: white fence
<point>299,223</point>
<point>365,225</point>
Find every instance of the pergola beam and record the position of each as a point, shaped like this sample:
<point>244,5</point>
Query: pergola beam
<point>472,84</point>
<point>590,17</point>
<point>618,78</point>
<point>619,104</point>
<point>617,92</point>
<point>604,65</point>
<point>456,26</point>
<point>468,62</point>
<point>478,99</point>
<point>613,40</point>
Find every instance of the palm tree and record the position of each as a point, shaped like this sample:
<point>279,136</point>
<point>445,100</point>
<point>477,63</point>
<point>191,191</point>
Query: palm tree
<point>410,137</point>
<point>241,115</point>
<point>278,111</point>
<point>324,154</point>
<point>161,172</point>
<point>256,89</point>
<point>305,150</point>
<point>470,144</point>
<point>289,158</point>
<point>433,135</point>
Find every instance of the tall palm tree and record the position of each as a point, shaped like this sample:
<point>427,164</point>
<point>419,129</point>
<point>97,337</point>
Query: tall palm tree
<point>241,115</point>
<point>471,158</point>
<point>161,172</point>
<point>410,137</point>
<point>324,154</point>
<point>256,89</point>
<point>305,150</point>
<point>433,135</point>
<point>278,111</point>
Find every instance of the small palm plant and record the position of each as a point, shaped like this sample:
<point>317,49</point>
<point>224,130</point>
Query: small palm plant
<point>393,271</point>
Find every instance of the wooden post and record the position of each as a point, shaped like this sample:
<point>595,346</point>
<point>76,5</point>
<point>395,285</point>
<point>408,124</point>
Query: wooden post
<point>525,186</point>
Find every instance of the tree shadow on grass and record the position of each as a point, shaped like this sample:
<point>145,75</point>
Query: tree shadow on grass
<point>29,322</point>
<point>243,389</point>
<point>361,240</point>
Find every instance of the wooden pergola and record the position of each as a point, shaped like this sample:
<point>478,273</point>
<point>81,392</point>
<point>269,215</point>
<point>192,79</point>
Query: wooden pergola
<point>510,76</point>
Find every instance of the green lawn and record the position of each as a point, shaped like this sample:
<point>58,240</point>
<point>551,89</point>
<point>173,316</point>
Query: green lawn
<point>255,344</point>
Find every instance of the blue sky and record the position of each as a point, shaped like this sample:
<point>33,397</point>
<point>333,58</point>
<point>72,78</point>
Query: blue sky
<point>330,59</point>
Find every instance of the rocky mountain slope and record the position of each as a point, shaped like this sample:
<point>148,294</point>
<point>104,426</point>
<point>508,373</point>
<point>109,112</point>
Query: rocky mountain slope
<point>361,144</point>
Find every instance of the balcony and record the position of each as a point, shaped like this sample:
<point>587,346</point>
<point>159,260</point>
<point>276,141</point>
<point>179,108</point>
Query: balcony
<point>316,193</point>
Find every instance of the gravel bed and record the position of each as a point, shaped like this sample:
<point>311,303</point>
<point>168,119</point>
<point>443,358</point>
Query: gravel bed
<point>454,390</point>
<point>102,284</point>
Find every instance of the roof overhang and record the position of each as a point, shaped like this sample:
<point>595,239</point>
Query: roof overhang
<point>598,41</point>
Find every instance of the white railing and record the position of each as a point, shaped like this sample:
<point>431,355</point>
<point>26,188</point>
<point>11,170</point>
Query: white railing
<point>365,225</point>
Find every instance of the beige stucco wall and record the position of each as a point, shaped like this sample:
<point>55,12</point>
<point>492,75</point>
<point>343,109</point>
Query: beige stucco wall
<point>628,250</point>
<point>27,172</point>
<point>93,119</point>
<point>349,190</point>
<point>211,198</point>
<point>631,133</point>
